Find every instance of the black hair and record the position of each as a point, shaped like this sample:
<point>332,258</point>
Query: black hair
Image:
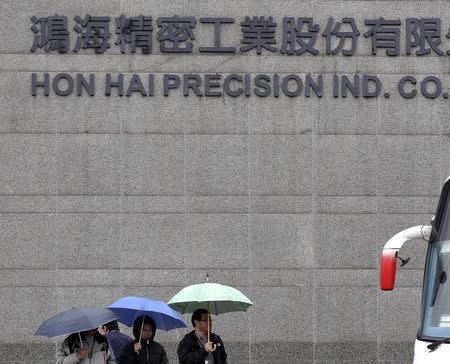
<point>137,325</point>
<point>113,325</point>
<point>197,315</point>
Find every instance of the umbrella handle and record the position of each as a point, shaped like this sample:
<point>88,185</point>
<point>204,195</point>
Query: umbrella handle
<point>207,304</point>
<point>81,341</point>
<point>209,333</point>
<point>142,328</point>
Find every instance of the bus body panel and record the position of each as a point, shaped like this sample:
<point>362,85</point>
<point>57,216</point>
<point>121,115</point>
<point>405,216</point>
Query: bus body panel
<point>422,354</point>
<point>435,308</point>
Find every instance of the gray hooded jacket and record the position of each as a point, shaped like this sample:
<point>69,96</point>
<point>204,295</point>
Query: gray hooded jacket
<point>100,353</point>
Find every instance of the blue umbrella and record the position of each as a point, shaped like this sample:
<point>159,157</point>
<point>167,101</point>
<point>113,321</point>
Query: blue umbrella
<point>75,320</point>
<point>129,308</point>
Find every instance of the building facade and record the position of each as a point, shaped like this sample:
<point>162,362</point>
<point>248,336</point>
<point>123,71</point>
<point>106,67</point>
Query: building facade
<point>275,145</point>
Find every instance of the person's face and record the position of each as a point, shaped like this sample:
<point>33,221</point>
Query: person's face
<point>202,324</point>
<point>147,332</point>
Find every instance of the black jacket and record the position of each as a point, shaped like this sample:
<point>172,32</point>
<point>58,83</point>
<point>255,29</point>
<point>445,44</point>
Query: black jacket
<point>151,353</point>
<point>190,352</point>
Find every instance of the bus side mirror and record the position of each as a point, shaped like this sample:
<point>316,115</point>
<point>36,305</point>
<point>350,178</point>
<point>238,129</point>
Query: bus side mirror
<point>388,269</point>
<point>391,248</point>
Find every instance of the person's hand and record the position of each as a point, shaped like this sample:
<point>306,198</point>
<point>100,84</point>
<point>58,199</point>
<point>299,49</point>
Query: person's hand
<point>210,347</point>
<point>83,353</point>
<point>137,347</point>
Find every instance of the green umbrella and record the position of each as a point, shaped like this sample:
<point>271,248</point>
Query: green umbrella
<point>214,297</point>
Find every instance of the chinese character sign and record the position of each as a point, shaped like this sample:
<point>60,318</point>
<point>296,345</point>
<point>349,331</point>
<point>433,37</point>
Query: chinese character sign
<point>290,35</point>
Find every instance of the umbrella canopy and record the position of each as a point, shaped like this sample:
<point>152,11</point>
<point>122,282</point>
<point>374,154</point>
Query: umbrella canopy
<point>129,308</point>
<point>214,297</point>
<point>75,320</point>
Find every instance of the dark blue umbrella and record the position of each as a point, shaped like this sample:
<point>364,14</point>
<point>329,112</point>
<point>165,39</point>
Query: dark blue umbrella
<point>129,308</point>
<point>75,320</point>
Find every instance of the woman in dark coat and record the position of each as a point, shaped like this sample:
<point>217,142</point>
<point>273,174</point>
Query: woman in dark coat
<point>147,351</point>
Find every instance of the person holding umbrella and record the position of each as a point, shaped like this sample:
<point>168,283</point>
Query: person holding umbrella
<point>145,316</point>
<point>200,346</point>
<point>144,350</point>
<point>85,347</point>
<point>84,344</point>
<point>116,339</point>
<point>195,348</point>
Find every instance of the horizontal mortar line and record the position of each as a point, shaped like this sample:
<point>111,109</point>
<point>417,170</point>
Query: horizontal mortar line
<point>252,133</point>
<point>234,196</point>
<point>321,68</point>
<point>90,195</point>
<point>163,212</point>
<point>87,211</point>
<point>307,131</point>
<point>53,269</point>
<point>381,134</point>
<point>74,285</point>
<point>378,196</point>
<point>61,286</point>
<point>299,283</point>
<point>27,195</point>
<point>251,195</point>
<point>128,71</point>
<point>216,212</point>
<point>299,270</point>
<point>106,285</point>
<point>216,195</point>
<point>118,133</point>
<point>373,212</point>
<point>255,208</point>
<point>293,285</point>
<point>150,195</point>
<point>181,275</point>
<point>242,67</point>
<point>149,133</point>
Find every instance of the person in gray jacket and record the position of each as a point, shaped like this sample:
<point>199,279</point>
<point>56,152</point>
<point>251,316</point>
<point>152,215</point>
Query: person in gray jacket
<point>95,349</point>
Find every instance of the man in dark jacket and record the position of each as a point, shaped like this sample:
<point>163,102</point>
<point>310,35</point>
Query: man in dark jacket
<point>116,339</point>
<point>194,348</point>
<point>145,351</point>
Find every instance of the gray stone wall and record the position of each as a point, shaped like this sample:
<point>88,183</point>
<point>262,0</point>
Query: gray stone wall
<point>288,199</point>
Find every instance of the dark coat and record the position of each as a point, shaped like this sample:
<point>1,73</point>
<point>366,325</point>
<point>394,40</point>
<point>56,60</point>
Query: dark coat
<point>190,352</point>
<point>151,353</point>
<point>117,342</point>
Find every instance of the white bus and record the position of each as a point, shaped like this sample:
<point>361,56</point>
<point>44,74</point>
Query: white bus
<point>433,338</point>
